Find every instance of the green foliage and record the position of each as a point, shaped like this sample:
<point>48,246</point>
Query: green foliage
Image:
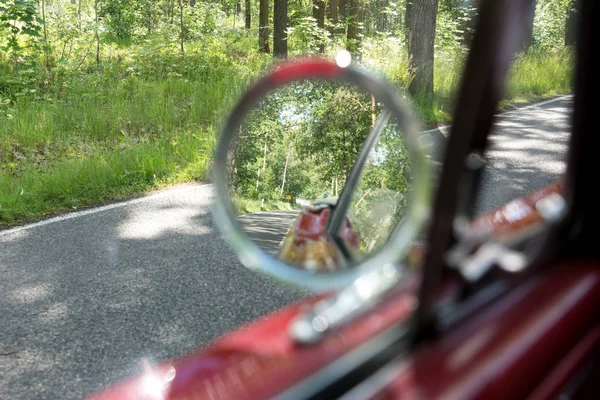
<point>549,23</point>
<point>454,25</point>
<point>248,206</point>
<point>119,15</point>
<point>305,36</point>
<point>19,19</point>
<point>301,138</point>
<point>540,73</point>
<point>110,104</point>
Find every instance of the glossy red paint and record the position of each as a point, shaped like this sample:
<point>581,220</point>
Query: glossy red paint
<point>308,240</point>
<point>518,214</point>
<point>311,224</point>
<point>304,68</point>
<point>260,360</point>
<point>510,350</point>
<point>515,217</point>
<point>564,372</point>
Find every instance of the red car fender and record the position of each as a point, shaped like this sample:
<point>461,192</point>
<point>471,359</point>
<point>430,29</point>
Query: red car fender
<point>260,360</point>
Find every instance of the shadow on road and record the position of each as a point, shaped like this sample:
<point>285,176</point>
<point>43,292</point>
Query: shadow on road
<point>528,150</point>
<point>267,229</point>
<point>83,301</point>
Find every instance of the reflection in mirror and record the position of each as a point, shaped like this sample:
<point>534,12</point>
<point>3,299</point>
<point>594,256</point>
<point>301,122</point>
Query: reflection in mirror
<point>291,167</point>
<point>381,199</point>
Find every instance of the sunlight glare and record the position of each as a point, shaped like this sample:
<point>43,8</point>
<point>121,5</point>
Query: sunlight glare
<point>343,58</point>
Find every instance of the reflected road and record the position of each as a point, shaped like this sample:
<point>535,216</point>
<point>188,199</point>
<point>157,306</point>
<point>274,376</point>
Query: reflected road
<point>267,229</point>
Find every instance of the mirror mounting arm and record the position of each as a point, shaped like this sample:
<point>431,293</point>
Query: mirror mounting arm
<point>338,215</point>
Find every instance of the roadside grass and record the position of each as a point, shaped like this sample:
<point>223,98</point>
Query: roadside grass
<point>109,133</point>
<point>247,206</point>
<point>535,74</point>
<point>149,118</point>
<point>539,74</point>
<point>112,174</point>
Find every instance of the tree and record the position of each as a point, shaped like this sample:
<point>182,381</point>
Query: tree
<point>181,30</point>
<point>318,13</point>
<point>571,23</point>
<point>354,26</point>
<point>263,26</point>
<point>248,12</point>
<point>19,18</point>
<point>342,6</point>
<point>46,45</point>
<point>421,46</point>
<point>279,27</point>
<point>332,15</point>
<point>407,20</point>
<point>96,29</point>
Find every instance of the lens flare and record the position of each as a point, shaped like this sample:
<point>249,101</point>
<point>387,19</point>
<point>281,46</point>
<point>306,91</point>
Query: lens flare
<point>343,58</point>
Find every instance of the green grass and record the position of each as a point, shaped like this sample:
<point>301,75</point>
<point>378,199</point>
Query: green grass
<point>70,184</point>
<point>537,75</point>
<point>248,206</point>
<point>534,75</point>
<point>147,117</point>
<point>105,134</point>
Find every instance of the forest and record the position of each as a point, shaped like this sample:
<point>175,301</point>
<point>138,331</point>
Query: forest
<point>103,99</point>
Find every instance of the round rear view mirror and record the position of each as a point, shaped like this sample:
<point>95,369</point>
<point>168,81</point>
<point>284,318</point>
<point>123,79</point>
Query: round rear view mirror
<point>321,175</point>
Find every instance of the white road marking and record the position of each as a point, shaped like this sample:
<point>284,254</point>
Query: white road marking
<point>524,108</point>
<point>169,192</point>
<point>163,193</point>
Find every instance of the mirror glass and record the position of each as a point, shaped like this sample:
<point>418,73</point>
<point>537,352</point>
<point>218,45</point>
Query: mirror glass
<point>319,175</point>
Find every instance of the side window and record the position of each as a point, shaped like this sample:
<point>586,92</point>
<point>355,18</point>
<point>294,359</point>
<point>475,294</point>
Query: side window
<point>527,152</point>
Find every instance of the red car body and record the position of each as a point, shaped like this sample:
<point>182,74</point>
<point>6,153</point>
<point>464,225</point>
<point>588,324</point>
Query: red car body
<point>538,339</point>
<point>543,332</point>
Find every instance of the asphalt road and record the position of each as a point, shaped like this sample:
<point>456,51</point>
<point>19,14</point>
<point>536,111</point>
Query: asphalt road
<point>85,298</point>
<point>527,151</point>
<point>267,229</point>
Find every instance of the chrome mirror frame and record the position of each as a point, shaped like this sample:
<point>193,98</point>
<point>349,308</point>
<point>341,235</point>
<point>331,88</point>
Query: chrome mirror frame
<point>397,245</point>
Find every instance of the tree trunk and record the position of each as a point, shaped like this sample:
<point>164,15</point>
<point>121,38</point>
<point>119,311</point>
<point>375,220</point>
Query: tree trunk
<point>407,17</point>
<point>468,25</point>
<point>192,3</point>
<point>336,186</point>
<point>318,13</point>
<point>263,168</point>
<point>279,27</point>
<point>171,11</point>
<point>331,192</point>
<point>45,33</point>
<point>528,34</point>
<point>97,35</point>
<point>354,18</point>
<point>287,159</point>
<point>373,115</point>
<point>181,26</point>
<point>263,27</point>
<point>238,8</point>
<point>342,8</point>
<point>248,11</point>
<point>421,46</point>
<point>381,18</point>
<point>332,15</point>
<point>571,24</point>
<point>264,164</point>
